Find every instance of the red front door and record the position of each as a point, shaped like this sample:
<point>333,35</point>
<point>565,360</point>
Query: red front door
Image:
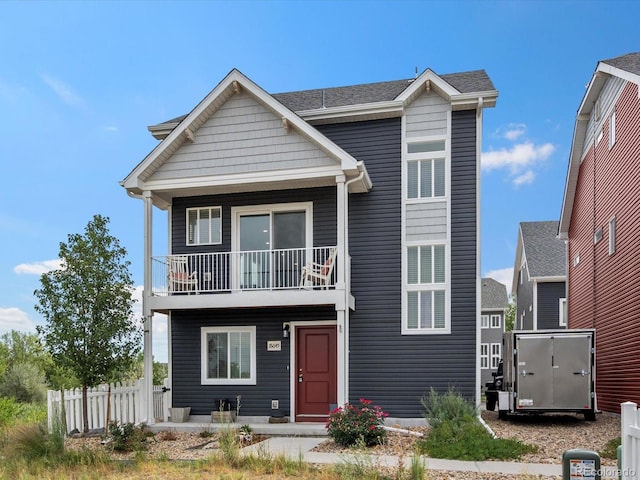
<point>316,367</point>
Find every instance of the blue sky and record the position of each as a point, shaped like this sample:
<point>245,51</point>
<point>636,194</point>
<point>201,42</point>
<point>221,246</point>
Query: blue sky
<point>81,81</point>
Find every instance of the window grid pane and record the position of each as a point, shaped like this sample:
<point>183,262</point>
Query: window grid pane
<point>438,311</point>
<point>438,176</point>
<point>426,179</point>
<point>426,310</point>
<point>426,265</point>
<point>412,265</point>
<point>217,361</point>
<point>412,180</point>
<point>412,310</point>
<point>425,147</point>
<point>439,270</point>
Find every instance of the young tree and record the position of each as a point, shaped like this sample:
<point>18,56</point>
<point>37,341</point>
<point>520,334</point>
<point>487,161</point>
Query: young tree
<point>87,306</point>
<point>510,317</point>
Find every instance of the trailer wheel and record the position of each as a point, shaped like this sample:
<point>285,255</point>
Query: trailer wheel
<point>590,416</point>
<point>502,414</point>
<point>491,403</point>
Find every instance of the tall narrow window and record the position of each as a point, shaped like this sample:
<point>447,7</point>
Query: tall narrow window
<point>495,321</point>
<point>496,354</point>
<point>426,288</point>
<point>612,236</point>
<point>426,169</point>
<point>484,355</point>
<point>562,313</point>
<point>204,226</point>
<point>484,321</point>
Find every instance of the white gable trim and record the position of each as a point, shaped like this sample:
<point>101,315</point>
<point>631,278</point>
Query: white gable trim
<point>426,82</point>
<point>233,83</point>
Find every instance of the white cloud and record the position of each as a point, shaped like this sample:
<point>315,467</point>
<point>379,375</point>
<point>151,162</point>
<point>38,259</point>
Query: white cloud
<point>13,318</point>
<point>63,91</point>
<point>526,178</point>
<point>502,275</point>
<point>38,268</point>
<point>520,160</point>
<point>518,157</point>
<point>111,128</point>
<point>514,131</point>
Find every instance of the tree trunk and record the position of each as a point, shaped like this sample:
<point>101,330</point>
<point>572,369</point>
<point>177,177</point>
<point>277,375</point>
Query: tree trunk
<point>108,419</point>
<point>85,410</point>
<point>63,411</point>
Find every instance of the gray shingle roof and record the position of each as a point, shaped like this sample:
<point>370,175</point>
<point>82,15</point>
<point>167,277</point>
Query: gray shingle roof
<point>544,252</point>
<point>464,82</point>
<point>629,62</point>
<point>494,294</point>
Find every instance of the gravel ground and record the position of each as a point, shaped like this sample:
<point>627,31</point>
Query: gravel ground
<point>552,434</point>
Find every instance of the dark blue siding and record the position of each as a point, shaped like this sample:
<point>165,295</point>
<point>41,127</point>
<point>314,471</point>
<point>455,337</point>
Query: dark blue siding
<point>393,370</point>
<point>272,367</point>
<point>549,295</point>
<point>524,299</point>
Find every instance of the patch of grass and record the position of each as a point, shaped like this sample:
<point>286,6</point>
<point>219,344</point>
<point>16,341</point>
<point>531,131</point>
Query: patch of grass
<point>469,440</point>
<point>610,450</point>
<point>457,434</point>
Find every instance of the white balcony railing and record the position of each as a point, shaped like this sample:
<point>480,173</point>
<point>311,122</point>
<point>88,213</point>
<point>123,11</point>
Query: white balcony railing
<point>230,272</point>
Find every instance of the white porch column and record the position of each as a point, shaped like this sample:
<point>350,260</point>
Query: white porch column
<point>148,315</point>
<point>341,232</point>
<point>342,357</point>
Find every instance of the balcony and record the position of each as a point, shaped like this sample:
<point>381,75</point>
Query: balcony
<point>299,276</point>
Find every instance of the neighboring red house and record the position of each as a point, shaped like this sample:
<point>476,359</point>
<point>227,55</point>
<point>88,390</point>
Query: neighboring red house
<point>601,222</point>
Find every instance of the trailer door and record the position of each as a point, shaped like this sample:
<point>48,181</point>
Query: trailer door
<point>534,371</point>
<point>572,371</point>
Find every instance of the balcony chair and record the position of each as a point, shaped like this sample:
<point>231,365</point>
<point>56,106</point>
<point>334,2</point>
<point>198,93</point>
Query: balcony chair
<point>318,274</point>
<point>180,280</point>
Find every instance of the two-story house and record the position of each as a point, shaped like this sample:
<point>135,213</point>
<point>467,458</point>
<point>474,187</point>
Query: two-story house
<point>600,221</point>
<point>324,244</point>
<point>539,277</point>
<point>494,307</point>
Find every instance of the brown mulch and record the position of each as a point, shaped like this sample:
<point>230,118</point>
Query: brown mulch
<point>167,445</point>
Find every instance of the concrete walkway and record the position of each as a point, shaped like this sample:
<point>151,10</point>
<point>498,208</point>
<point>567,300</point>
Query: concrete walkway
<point>300,448</point>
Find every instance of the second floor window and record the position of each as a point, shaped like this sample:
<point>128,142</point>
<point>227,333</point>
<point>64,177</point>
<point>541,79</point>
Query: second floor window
<point>426,287</point>
<point>495,321</point>
<point>204,226</point>
<point>426,169</point>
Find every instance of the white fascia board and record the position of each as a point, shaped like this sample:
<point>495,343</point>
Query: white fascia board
<point>234,78</point>
<point>471,100</point>
<point>364,109</point>
<point>628,76</point>
<point>550,279</point>
<point>518,262</point>
<point>575,158</point>
<point>443,87</point>
<point>241,178</point>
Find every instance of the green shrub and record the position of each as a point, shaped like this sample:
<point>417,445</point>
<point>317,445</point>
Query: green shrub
<point>457,434</point>
<point>449,406</point>
<point>127,437</point>
<point>10,411</point>
<point>469,440</point>
<point>610,450</point>
<point>25,383</point>
<point>349,424</point>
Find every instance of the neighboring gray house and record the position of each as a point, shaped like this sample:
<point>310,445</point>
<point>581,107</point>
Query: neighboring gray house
<point>539,277</point>
<point>323,244</point>
<point>495,304</point>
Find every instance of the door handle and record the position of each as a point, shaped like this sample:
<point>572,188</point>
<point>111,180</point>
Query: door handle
<point>299,378</point>
<point>525,373</point>
<point>582,372</point>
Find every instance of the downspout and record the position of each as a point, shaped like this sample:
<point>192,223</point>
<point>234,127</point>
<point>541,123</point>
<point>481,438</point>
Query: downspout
<point>347,290</point>
<point>593,230</point>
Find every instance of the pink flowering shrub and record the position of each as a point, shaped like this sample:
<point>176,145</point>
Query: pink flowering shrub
<point>349,424</point>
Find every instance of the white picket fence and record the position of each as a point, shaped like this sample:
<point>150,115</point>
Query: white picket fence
<point>630,433</point>
<point>126,405</point>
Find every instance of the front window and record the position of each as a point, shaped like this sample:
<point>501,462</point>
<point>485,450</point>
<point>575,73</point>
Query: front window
<point>204,226</point>
<point>228,355</point>
<point>496,354</point>
<point>426,288</point>
<point>484,356</point>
